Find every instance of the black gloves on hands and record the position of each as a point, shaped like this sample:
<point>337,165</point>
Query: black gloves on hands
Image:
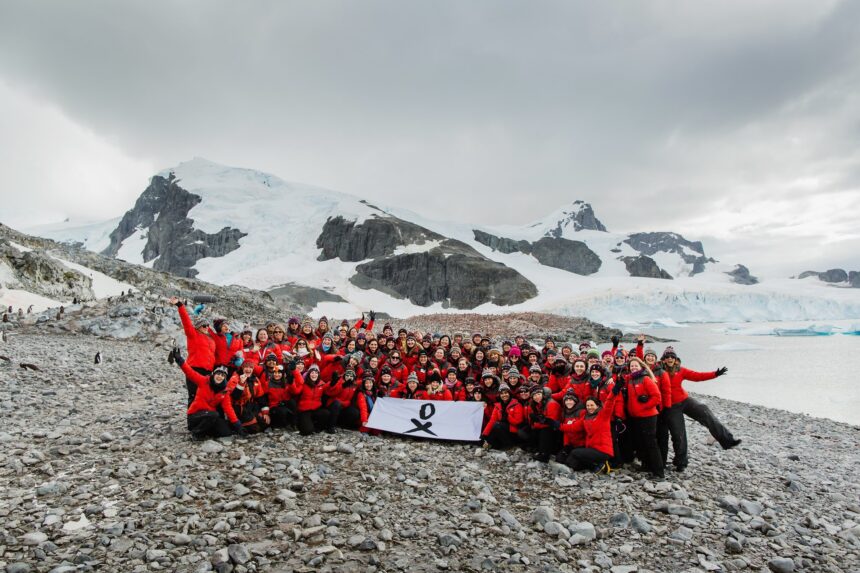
<point>176,356</point>
<point>721,371</point>
<point>615,340</point>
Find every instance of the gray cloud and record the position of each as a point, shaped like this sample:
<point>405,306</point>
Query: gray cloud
<point>655,112</point>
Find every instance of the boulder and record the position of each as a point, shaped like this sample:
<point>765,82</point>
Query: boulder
<point>643,266</point>
<point>571,256</point>
<point>741,275</point>
<point>375,237</point>
<point>453,273</point>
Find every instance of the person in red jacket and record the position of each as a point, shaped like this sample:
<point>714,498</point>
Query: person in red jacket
<point>399,370</point>
<point>204,419</point>
<point>227,343</point>
<point>312,415</point>
<point>500,432</point>
<point>408,391</point>
<point>596,423</point>
<point>578,381</point>
<point>249,399</point>
<point>467,388</point>
<point>543,415</point>
<point>683,404</point>
<point>643,402</point>
<point>434,389</point>
<point>344,407</point>
<point>284,385</point>
<point>201,347</point>
<point>573,435</point>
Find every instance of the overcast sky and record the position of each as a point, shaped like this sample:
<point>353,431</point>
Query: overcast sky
<point>733,122</point>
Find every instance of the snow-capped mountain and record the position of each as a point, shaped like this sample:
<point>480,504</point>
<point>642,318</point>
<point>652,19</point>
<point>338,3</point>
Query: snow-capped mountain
<point>238,226</point>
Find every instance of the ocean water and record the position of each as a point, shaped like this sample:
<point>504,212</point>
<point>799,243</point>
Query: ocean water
<point>815,375</point>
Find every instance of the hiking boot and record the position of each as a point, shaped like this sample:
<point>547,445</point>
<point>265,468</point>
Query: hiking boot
<point>731,444</point>
<point>542,458</point>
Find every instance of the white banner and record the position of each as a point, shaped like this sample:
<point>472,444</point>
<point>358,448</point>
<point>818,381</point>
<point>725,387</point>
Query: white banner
<point>440,420</point>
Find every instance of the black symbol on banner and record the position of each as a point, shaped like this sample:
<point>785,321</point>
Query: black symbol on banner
<point>426,412</point>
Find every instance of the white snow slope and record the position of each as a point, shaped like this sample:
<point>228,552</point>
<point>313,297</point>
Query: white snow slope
<point>283,221</point>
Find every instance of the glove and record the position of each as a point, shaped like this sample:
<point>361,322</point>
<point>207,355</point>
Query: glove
<point>554,424</point>
<point>238,429</point>
<point>362,317</point>
<point>721,371</point>
<point>291,366</point>
<point>334,378</point>
<point>616,390</point>
<point>372,315</point>
<point>177,356</point>
<point>198,309</point>
<point>615,340</point>
<point>642,398</point>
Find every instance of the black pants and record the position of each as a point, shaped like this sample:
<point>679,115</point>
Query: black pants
<point>312,421</point>
<point>544,440</point>
<point>622,443</point>
<point>346,417</point>
<point>500,437</point>
<point>663,436</point>
<point>191,386</point>
<point>586,458</point>
<point>283,415</point>
<point>644,433</point>
<point>208,425</point>
<point>700,413</point>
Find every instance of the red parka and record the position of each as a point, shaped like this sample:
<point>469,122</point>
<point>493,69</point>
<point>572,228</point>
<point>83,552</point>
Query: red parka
<point>206,399</point>
<point>201,347</point>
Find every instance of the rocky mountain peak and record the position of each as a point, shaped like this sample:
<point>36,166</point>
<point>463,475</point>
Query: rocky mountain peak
<point>579,216</point>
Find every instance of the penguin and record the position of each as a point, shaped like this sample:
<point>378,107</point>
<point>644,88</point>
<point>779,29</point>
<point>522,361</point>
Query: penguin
<point>98,359</point>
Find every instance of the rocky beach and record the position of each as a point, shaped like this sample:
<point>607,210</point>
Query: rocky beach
<point>99,473</point>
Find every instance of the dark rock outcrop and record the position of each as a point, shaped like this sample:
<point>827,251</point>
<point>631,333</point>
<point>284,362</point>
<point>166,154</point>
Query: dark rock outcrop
<point>653,243</point>
<point>38,273</point>
<point>374,237</point>
<point>833,276</point>
<point>741,275</point>
<point>502,244</point>
<point>162,209</point>
<point>303,296</point>
<point>854,279</point>
<point>452,273</point>
<point>643,266</point>
<point>581,217</point>
<point>571,256</point>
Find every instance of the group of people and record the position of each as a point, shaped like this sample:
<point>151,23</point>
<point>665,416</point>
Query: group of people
<point>587,408</point>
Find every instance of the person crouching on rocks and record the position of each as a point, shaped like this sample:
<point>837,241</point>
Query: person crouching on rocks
<point>204,419</point>
<point>596,424</point>
<point>543,415</point>
<point>249,399</point>
<point>344,407</point>
<point>284,384</point>
<point>573,435</point>
<point>500,432</point>
<point>312,415</point>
